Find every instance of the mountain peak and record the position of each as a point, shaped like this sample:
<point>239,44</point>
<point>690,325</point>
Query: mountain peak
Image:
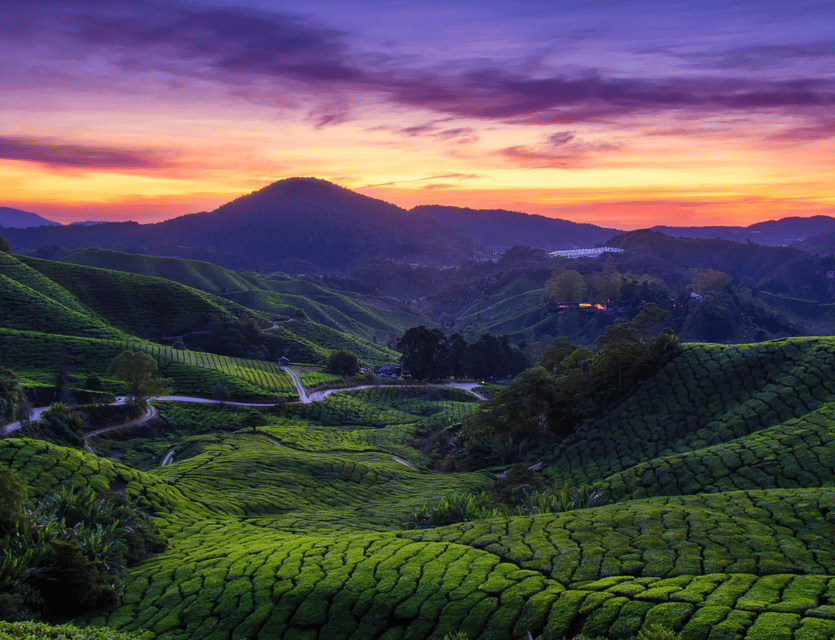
<point>23,219</point>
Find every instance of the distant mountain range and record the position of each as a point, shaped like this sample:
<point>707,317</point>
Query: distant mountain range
<point>497,228</point>
<point>304,225</point>
<point>18,219</point>
<point>785,231</point>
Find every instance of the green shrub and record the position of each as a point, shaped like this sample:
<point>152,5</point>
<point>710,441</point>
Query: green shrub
<point>558,500</point>
<point>452,509</point>
<point>68,554</point>
<point>41,631</point>
<point>656,632</point>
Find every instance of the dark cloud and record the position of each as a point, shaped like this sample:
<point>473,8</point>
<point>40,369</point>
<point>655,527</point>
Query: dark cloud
<point>559,150</point>
<point>457,135</point>
<point>58,154</point>
<point>265,56</point>
<point>760,57</point>
<point>233,45</point>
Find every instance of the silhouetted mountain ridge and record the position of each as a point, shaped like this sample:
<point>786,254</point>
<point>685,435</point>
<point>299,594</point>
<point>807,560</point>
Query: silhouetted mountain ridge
<point>499,228</point>
<point>297,221</point>
<point>784,231</point>
<point>18,219</point>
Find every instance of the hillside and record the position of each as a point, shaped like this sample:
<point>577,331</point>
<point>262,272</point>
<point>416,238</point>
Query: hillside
<point>822,244</point>
<point>197,274</point>
<point>718,471</point>
<point>497,229</point>
<point>145,306</point>
<point>276,296</point>
<point>82,317</point>
<point>783,270</point>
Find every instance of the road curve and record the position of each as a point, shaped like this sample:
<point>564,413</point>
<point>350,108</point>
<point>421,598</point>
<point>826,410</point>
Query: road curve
<point>304,398</point>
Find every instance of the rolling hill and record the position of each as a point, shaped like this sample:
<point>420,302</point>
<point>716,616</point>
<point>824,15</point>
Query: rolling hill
<point>276,296</point>
<point>720,518</point>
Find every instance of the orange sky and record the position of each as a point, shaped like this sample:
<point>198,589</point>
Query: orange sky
<point>128,112</point>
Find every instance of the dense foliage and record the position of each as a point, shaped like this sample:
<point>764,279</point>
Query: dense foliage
<point>570,384</point>
<point>68,554</point>
<point>42,631</point>
<point>429,354</point>
<point>343,363</point>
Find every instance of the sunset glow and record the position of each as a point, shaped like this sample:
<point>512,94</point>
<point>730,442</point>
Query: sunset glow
<point>625,115</point>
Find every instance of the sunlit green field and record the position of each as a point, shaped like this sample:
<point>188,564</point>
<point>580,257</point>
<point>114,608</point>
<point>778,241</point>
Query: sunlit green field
<point>720,522</point>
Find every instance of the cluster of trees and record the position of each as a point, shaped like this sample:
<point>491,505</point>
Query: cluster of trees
<point>568,384</point>
<point>568,285</point>
<point>429,354</point>
<point>68,553</point>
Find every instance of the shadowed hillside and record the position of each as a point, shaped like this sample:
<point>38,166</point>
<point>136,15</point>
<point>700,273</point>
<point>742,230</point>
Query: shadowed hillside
<point>499,229</point>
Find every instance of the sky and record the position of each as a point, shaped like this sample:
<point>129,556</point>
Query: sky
<point>625,114</point>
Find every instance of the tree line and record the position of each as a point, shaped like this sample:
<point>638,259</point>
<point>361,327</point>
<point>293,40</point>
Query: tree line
<point>429,354</point>
<point>568,384</point>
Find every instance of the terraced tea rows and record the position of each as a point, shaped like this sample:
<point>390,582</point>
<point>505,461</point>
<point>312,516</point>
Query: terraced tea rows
<point>708,395</point>
<point>35,354</point>
<point>720,526</point>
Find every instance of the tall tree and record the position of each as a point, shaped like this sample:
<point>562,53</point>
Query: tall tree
<point>564,286</point>
<point>421,350</point>
<point>136,369</point>
<point>457,356</point>
<point>343,363</point>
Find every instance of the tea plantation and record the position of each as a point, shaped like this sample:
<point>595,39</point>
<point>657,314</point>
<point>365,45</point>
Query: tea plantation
<point>719,522</point>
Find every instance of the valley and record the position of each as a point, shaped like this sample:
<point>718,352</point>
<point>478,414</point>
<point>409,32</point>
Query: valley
<point>591,497</point>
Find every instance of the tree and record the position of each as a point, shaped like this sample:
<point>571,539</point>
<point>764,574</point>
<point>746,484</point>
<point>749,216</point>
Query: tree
<point>456,350</point>
<point>711,281</point>
<point>220,392</point>
<point>421,352</point>
<point>5,247</point>
<point>564,286</point>
<point>136,370</point>
<point>255,419</point>
<point>608,282</point>
<point>343,363</point>
<point>556,352</point>
<point>9,394</point>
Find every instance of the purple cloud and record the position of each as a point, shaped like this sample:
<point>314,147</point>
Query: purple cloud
<point>760,56</point>
<point>559,150</point>
<point>267,56</point>
<point>447,176</point>
<point>56,153</point>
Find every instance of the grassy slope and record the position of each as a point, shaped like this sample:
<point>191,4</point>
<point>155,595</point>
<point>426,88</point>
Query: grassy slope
<point>193,273</point>
<point>32,356</point>
<point>722,523</point>
<point>140,305</point>
<point>817,317</point>
<point>322,340</point>
<point>275,295</point>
